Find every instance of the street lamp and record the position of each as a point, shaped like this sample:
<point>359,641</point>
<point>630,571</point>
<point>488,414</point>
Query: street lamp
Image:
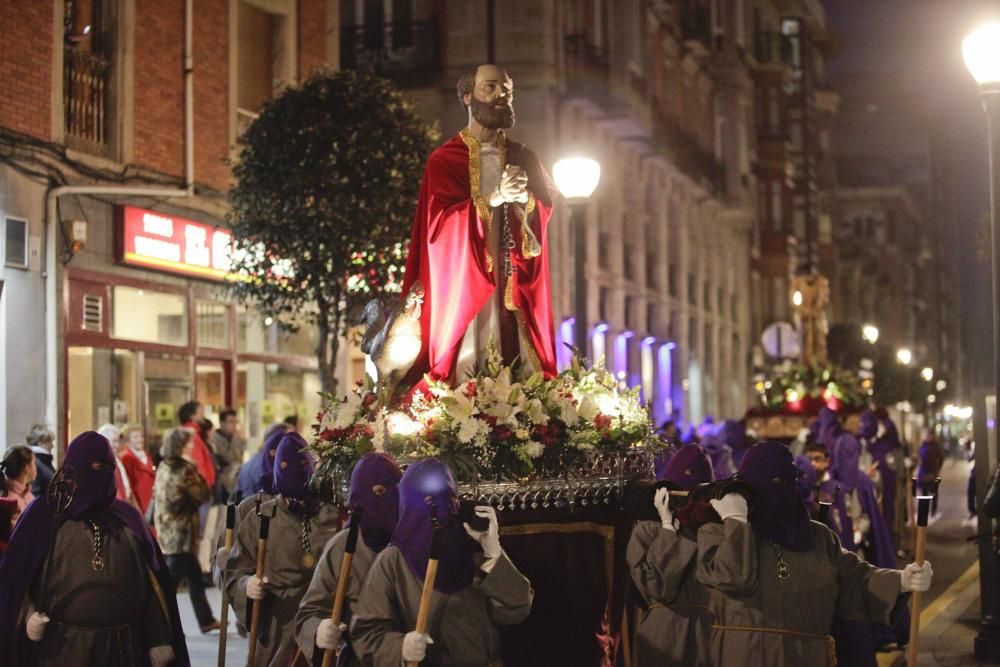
<point>577,178</point>
<point>927,373</point>
<point>981,50</point>
<point>870,333</point>
<point>904,356</point>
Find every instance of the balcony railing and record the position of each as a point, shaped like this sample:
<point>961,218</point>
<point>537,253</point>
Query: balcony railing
<point>407,53</point>
<point>683,149</point>
<point>86,83</point>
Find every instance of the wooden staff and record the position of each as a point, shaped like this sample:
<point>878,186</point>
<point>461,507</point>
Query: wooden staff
<point>224,616</point>
<point>345,573</point>
<point>265,526</point>
<point>920,544</point>
<point>425,594</point>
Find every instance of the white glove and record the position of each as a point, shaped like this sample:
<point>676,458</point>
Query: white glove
<point>161,656</point>
<point>328,634</point>
<point>732,506</point>
<point>222,557</point>
<point>661,501</point>
<point>858,537</point>
<point>916,577</point>
<point>255,587</point>
<point>488,539</point>
<point>415,646</point>
<point>36,626</point>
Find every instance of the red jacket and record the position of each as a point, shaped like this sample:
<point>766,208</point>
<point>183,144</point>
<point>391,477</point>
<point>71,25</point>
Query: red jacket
<point>202,456</point>
<point>141,476</point>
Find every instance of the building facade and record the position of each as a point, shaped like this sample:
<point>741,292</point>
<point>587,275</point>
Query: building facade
<point>119,122</point>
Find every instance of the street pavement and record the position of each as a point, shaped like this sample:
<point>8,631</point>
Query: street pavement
<point>948,624</point>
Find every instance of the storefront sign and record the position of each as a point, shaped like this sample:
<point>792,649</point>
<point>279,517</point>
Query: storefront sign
<point>173,244</point>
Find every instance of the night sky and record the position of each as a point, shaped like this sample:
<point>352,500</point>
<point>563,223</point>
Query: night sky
<point>919,43</point>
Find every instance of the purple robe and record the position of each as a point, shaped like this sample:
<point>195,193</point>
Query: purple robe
<point>91,464</point>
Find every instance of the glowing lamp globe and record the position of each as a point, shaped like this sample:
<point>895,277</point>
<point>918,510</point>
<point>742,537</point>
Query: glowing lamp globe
<point>981,50</point>
<point>576,177</point>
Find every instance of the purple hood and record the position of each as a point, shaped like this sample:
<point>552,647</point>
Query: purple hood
<point>689,467</point>
<point>779,515</point>
<point>375,487</point>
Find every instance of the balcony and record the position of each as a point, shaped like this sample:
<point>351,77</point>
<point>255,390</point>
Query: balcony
<point>682,148</point>
<point>406,53</point>
<point>86,84</point>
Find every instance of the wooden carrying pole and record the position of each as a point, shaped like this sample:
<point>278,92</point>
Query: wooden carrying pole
<point>425,594</point>
<point>919,547</point>
<point>265,525</point>
<point>224,614</point>
<point>345,574</point>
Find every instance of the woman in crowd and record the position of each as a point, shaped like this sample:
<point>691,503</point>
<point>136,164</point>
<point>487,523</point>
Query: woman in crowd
<point>138,466</point>
<point>178,492</point>
<point>18,472</point>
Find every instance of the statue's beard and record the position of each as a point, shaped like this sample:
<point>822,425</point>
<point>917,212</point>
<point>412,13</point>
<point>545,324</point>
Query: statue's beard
<point>491,116</point>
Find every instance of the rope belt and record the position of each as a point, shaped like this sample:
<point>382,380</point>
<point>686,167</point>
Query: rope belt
<point>831,647</point>
<point>677,605</point>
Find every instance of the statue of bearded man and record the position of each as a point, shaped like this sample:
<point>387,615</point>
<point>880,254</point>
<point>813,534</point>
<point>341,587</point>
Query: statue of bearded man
<point>478,244</point>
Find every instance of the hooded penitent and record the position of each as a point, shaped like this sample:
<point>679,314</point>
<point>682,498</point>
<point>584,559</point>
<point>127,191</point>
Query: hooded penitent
<point>868,425</point>
<point>734,434</point>
<point>719,453</point>
<point>778,515</point>
<point>427,490</point>
<point>375,488</point>
<point>293,468</point>
<point>267,461</point>
<point>806,479</point>
<point>86,491</point>
<point>826,428</point>
<point>689,467</point>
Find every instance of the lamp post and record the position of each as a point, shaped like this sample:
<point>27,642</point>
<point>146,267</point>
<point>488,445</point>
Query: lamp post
<point>981,50</point>
<point>577,178</point>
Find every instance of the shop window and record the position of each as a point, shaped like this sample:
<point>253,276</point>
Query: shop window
<point>15,247</point>
<point>266,337</point>
<point>103,388</point>
<point>149,317</point>
<point>213,324</point>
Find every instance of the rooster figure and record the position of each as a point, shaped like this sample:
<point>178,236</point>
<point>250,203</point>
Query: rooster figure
<point>392,340</point>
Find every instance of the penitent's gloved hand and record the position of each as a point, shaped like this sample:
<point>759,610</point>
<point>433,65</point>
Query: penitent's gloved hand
<point>415,646</point>
<point>732,506</point>
<point>36,626</point>
<point>916,577</point>
<point>661,501</point>
<point>328,634</point>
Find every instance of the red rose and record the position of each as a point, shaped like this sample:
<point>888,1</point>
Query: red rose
<point>490,419</point>
<point>470,388</point>
<point>502,432</point>
<point>602,422</point>
<point>368,399</point>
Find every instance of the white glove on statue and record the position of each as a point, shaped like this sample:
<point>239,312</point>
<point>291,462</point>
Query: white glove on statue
<point>488,539</point>
<point>161,656</point>
<point>328,634</point>
<point>415,646</point>
<point>255,587</point>
<point>222,557</point>
<point>732,506</point>
<point>36,626</point>
<point>916,577</point>
<point>661,501</point>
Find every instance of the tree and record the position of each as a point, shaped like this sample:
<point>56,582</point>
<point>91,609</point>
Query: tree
<point>327,182</point>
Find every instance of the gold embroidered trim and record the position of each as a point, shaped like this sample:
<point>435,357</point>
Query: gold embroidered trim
<point>527,344</point>
<point>475,184</point>
<point>530,247</point>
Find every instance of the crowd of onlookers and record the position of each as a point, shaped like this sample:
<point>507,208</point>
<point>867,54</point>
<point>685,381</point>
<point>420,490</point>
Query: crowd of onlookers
<point>180,485</point>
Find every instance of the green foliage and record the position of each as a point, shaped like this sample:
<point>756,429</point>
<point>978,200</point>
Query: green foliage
<point>327,182</point>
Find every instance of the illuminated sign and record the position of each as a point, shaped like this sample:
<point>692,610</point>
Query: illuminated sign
<point>168,243</point>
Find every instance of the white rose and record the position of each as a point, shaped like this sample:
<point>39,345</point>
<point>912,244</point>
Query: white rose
<point>534,449</point>
<point>521,434</point>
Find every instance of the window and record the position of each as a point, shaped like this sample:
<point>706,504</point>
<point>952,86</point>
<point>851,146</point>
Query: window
<point>266,337</point>
<point>603,305</point>
<point>776,212</point>
<point>87,74</point>
<point>672,279</point>
<point>149,317</point>
<point>15,247</point>
<point>604,240</point>
<point>652,269</point>
<point>262,53</point>
<point>692,290</point>
<point>213,324</point>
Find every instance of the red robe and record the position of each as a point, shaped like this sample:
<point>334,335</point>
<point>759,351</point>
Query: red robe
<point>449,255</point>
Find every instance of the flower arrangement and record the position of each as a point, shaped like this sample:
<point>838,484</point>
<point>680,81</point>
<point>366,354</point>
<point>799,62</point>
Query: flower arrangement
<point>502,423</point>
<point>806,388</point>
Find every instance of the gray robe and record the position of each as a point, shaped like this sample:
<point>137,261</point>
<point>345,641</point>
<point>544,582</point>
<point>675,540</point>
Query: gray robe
<point>740,569</point>
<point>462,624</point>
<point>246,507</point>
<point>85,628</point>
<point>674,627</point>
<point>317,603</point>
<point>287,577</point>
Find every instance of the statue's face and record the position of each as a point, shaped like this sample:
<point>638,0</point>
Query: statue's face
<point>492,99</point>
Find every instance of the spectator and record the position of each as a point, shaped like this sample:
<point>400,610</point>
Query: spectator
<point>138,466</point>
<point>18,468</point>
<point>293,424</point>
<point>228,446</point>
<point>190,416</point>
<point>123,488</point>
<point>40,440</point>
<point>178,492</point>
